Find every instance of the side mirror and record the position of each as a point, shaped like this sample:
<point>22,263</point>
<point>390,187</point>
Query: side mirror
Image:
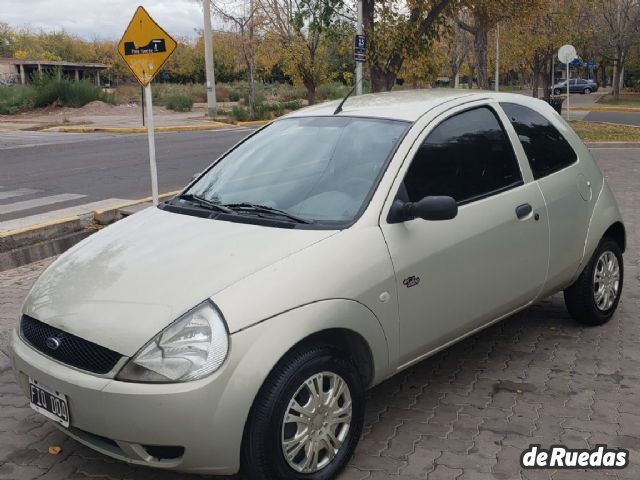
<point>429,208</point>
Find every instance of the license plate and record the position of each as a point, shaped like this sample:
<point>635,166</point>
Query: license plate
<point>48,402</point>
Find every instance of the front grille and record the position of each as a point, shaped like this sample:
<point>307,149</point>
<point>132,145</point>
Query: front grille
<point>72,350</point>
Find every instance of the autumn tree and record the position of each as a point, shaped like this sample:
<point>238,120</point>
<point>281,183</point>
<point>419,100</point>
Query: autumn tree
<point>457,47</point>
<point>483,16</point>
<point>242,16</point>
<point>299,25</point>
<point>399,30</point>
<point>621,32</point>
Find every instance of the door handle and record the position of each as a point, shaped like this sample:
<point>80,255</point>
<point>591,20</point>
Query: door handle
<point>523,210</point>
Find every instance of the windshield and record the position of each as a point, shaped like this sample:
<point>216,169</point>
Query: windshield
<point>320,169</point>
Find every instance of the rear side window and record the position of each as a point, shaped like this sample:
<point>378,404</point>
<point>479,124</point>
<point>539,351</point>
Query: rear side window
<point>468,156</point>
<point>546,148</point>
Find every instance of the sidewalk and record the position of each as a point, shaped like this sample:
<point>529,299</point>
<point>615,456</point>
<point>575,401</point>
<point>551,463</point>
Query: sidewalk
<point>103,117</point>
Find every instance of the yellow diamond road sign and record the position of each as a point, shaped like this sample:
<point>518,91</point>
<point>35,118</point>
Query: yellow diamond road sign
<point>145,46</point>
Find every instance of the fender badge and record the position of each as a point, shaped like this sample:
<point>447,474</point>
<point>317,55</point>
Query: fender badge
<point>411,281</point>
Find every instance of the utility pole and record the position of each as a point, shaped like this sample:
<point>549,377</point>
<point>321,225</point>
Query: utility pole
<point>359,31</point>
<point>497,76</point>
<point>212,108</point>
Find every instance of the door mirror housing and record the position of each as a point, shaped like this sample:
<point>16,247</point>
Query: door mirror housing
<point>429,208</point>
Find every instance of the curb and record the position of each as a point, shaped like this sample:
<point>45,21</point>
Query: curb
<point>105,216</point>
<point>36,242</point>
<point>254,123</point>
<point>174,128</point>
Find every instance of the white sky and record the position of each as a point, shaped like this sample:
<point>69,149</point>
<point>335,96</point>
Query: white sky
<point>102,19</point>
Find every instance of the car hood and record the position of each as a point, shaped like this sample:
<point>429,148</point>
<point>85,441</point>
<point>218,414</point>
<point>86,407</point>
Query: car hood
<point>124,284</point>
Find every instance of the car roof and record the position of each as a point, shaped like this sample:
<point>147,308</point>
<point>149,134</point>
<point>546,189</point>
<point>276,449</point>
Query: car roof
<point>406,105</point>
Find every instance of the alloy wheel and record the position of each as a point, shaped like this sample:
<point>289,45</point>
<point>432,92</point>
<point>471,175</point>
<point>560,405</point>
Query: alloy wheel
<point>316,422</point>
<point>606,281</point>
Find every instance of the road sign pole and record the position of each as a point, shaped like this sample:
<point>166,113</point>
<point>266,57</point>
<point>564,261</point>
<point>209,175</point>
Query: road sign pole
<point>152,144</point>
<point>142,103</point>
<point>359,64</point>
<point>567,91</point>
<point>497,76</point>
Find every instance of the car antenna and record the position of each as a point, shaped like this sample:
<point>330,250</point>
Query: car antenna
<point>339,109</point>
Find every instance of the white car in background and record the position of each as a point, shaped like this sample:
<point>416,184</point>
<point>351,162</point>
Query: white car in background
<point>237,326</point>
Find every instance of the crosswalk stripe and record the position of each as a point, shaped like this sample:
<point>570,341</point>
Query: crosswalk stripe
<point>61,213</point>
<point>17,193</point>
<point>38,202</point>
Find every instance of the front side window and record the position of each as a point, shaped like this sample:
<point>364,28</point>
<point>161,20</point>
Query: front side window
<point>468,156</point>
<point>546,148</point>
<point>320,169</point>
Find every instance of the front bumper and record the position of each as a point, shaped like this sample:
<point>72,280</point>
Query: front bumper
<point>129,421</point>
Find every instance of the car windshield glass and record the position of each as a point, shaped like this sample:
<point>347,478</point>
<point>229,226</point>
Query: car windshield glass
<point>320,169</point>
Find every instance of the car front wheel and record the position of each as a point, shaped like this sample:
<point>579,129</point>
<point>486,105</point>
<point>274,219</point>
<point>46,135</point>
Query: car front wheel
<point>594,296</point>
<point>307,418</point>
<point>557,91</point>
<point>587,91</point>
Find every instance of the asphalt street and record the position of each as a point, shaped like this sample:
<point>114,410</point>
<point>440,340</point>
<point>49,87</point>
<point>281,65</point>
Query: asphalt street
<point>622,118</point>
<point>43,172</point>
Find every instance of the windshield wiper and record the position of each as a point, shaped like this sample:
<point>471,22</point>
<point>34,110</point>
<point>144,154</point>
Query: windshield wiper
<point>203,202</point>
<point>254,207</point>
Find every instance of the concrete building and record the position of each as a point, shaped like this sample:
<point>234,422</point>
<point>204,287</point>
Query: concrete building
<point>15,71</point>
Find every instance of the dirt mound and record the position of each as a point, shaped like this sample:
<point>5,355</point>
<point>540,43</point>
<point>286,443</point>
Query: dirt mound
<point>95,107</point>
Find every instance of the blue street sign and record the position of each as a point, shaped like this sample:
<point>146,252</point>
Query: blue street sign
<point>591,64</point>
<point>359,49</point>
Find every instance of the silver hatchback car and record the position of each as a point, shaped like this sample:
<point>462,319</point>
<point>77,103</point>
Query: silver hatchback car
<point>237,326</point>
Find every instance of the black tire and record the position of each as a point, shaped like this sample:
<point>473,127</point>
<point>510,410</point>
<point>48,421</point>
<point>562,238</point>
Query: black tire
<point>262,455</point>
<point>579,297</point>
<point>587,91</point>
<point>557,91</point>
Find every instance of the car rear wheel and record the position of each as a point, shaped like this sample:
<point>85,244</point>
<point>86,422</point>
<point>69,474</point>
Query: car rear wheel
<point>307,418</point>
<point>587,91</point>
<point>594,296</point>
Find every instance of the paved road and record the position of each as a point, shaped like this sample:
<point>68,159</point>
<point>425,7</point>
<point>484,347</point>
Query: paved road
<point>43,172</point>
<point>623,118</point>
<point>464,414</point>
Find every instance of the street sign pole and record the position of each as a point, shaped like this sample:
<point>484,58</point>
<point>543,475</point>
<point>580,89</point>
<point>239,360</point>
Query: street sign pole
<point>152,144</point>
<point>359,64</point>
<point>145,47</point>
<point>568,91</point>
<point>567,54</point>
<point>497,78</point>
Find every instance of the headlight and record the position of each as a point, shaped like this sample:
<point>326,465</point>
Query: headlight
<point>190,348</point>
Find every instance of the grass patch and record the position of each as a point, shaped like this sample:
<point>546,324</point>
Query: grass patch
<point>179,103</point>
<point>50,91</point>
<point>626,99</point>
<point>14,98</point>
<point>605,132</point>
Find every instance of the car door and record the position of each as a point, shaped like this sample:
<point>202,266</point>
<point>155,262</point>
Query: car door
<point>567,188</point>
<point>456,275</point>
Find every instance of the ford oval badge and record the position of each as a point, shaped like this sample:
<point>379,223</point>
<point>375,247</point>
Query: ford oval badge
<point>53,343</point>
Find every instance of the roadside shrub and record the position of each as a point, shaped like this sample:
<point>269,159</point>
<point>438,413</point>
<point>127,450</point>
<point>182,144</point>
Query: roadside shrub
<point>240,114</point>
<point>292,105</point>
<point>234,95</point>
<point>179,103</point>
<point>14,98</point>
<point>49,90</point>
<point>333,90</point>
